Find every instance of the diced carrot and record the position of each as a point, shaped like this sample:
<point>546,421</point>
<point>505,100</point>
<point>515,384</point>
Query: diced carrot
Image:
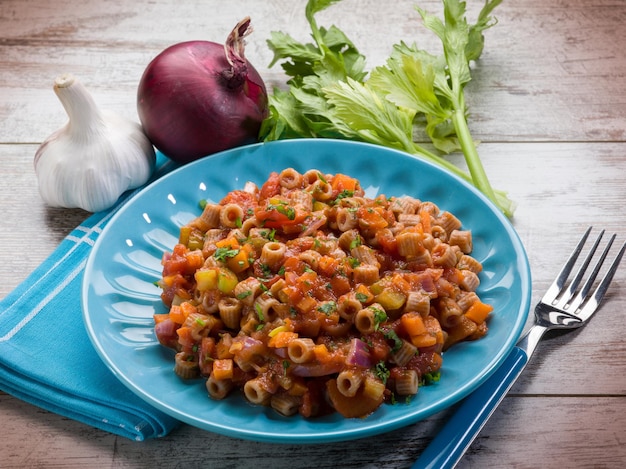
<point>424,340</point>
<point>240,261</point>
<point>160,317</point>
<point>195,259</point>
<point>413,324</point>
<point>306,304</point>
<point>231,243</point>
<point>478,312</point>
<point>176,314</point>
<point>341,182</point>
<point>363,294</point>
<point>282,339</point>
<point>185,337</point>
<point>372,218</point>
<point>321,353</point>
<point>187,309</point>
<point>222,369</point>
<point>327,265</point>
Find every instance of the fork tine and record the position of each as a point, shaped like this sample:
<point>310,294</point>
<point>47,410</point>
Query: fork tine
<point>553,291</point>
<point>582,294</point>
<point>566,296</point>
<point>594,302</point>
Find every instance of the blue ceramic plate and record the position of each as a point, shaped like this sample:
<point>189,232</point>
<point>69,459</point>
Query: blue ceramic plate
<point>119,296</point>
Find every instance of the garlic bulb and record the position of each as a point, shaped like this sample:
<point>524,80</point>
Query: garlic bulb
<point>94,158</point>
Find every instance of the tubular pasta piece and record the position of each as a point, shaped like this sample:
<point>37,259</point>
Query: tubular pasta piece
<point>272,254</point>
<point>469,263</point>
<point>429,207</point>
<point>231,215</point>
<point>248,224</point>
<point>366,319</point>
<point>348,382</point>
<point>311,257</point>
<point>185,366</point>
<point>444,256</point>
<point>285,404</point>
<point>409,244</point>
<point>348,239</point>
<point>419,302</point>
<point>300,350</point>
<point>218,389</point>
<point>448,222</point>
<point>449,312</point>
<point>248,290</point>
<point>469,280</point>
<point>366,274</point>
<point>466,299</point>
<point>409,219</point>
<point>346,219</point>
<point>462,239</point>
<point>404,354</point>
<point>230,312</point>
<point>321,190</point>
<point>211,215</point>
<point>265,308</point>
<point>365,255</point>
<point>256,393</point>
<point>348,306</point>
<point>290,178</point>
<point>404,205</point>
<point>311,176</point>
<point>407,383</point>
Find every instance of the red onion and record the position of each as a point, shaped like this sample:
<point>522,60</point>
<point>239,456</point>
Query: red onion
<point>359,354</point>
<point>165,332</point>
<point>198,97</point>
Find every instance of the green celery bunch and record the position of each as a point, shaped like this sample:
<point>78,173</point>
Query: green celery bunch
<point>330,95</point>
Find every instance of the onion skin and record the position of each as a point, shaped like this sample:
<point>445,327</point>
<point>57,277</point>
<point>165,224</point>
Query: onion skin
<point>198,97</point>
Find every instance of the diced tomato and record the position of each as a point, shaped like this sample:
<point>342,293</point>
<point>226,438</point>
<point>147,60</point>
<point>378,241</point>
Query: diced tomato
<point>372,218</point>
<point>279,216</point>
<point>246,200</point>
<point>271,187</point>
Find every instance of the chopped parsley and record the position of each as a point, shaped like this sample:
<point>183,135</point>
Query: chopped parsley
<point>244,294</point>
<point>259,312</point>
<point>328,308</point>
<point>221,254</point>
<point>356,242</point>
<point>362,297</point>
<point>381,371</point>
<point>284,209</point>
<point>380,316</point>
<point>397,342</point>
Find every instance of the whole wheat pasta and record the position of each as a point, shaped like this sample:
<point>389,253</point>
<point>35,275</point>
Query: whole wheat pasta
<point>308,296</point>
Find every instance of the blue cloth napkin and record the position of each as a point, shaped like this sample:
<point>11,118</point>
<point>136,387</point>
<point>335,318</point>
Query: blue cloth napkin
<point>46,357</point>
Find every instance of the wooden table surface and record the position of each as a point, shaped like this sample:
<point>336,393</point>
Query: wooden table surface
<point>547,102</point>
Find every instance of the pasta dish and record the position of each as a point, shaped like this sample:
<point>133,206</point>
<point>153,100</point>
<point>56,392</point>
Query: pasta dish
<point>312,298</point>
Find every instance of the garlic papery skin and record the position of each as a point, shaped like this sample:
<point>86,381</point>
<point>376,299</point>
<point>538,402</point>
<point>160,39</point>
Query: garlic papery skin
<point>94,158</point>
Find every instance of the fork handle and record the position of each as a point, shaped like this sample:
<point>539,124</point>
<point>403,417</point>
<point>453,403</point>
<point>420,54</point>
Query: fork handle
<point>448,447</point>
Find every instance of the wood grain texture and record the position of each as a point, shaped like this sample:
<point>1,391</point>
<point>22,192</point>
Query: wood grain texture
<point>547,102</point>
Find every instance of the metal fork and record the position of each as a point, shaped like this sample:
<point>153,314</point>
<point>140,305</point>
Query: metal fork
<point>560,308</point>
